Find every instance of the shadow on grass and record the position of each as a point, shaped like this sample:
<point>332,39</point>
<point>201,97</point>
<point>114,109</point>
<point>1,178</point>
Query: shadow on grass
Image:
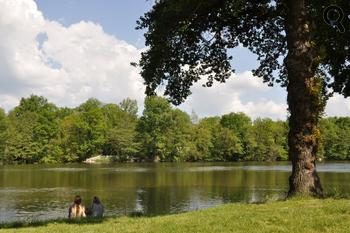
<point>336,193</point>
<point>82,221</point>
<point>44,223</point>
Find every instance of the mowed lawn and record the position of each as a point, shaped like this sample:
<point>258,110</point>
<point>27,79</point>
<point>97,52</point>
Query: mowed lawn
<point>311,215</point>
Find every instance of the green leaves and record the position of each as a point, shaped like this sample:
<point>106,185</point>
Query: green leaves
<point>267,140</point>
<point>120,137</point>
<point>3,133</point>
<point>227,145</point>
<point>335,140</point>
<point>39,132</point>
<point>32,127</point>
<point>164,133</point>
<point>129,106</point>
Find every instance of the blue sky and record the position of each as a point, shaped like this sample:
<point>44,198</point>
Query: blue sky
<point>72,50</point>
<point>118,17</point>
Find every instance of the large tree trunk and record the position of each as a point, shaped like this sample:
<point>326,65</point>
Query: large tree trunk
<point>304,99</point>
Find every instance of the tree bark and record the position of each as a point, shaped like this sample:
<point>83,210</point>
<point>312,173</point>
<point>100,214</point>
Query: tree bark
<point>305,101</point>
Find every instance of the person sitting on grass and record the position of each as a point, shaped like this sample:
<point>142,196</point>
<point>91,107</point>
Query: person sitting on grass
<point>96,209</point>
<point>76,210</point>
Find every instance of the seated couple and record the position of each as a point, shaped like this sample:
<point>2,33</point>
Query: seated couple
<point>77,210</point>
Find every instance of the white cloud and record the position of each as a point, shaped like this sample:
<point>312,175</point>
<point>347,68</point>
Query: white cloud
<point>248,94</point>
<point>67,65</point>
<point>228,97</point>
<point>338,106</point>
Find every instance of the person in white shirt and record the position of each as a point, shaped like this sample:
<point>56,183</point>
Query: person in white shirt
<point>76,210</point>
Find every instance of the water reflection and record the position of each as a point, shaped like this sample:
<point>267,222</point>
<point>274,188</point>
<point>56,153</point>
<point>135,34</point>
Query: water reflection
<point>44,192</point>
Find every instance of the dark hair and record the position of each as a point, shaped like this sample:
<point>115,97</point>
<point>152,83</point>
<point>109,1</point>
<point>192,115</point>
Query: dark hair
<point>77,200</point>
<point>96,200</point>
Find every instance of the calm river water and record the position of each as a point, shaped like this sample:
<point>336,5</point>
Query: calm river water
<point>37,192</point>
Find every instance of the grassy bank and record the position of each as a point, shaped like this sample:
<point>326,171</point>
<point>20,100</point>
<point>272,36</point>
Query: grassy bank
<point>313,215</point>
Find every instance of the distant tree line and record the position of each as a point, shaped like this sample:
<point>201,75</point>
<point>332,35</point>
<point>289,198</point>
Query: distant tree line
<point>37,131</point>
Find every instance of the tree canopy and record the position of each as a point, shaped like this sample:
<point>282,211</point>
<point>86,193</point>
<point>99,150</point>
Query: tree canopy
<point>37,131</point>
<point>190,39</point>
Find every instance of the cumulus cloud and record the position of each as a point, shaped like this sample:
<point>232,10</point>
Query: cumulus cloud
<point>65,64</point>
<point>248,94</point>
<point>338,106</point>
<point>233,96</point>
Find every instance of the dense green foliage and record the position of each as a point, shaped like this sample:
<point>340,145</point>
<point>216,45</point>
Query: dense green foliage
<point>335,133</point>
<point>3,127</point>
<point>282,216</point>
<point>37,131</point>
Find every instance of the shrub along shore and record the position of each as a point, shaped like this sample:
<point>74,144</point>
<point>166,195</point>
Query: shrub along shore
<point>37,131</point>
<point>295,215</point>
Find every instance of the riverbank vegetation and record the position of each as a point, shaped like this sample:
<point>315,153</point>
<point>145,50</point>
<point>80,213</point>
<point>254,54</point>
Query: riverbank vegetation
<point>37,131</point>
<point>293,215</point>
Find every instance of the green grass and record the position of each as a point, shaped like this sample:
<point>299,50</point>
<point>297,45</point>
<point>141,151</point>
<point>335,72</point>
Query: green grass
<point>296,215</point>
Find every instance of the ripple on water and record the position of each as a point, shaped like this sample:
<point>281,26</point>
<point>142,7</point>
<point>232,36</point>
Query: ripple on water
<point>132,169</point>
<point>65,169</point>
<point>334,168</point>
<point>284,168</point>
<point>36,190</point>
<point>211,168</point>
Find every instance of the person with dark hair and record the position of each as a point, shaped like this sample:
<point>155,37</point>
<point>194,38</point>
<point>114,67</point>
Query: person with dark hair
<point>96,209</point>
<point>76,210</point>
